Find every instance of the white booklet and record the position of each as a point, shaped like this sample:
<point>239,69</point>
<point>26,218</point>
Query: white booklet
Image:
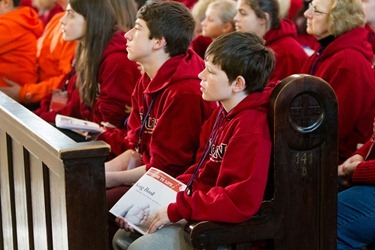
<point>68,122</point>
<point>155,189</point>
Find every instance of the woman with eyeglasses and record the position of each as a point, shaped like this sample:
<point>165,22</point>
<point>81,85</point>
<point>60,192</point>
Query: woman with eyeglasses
<point>356,210</point>
<point>343,59</point>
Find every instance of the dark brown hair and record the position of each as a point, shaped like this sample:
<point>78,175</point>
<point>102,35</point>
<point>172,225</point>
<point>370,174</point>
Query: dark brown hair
<point>243,54</point>
<point>171,20</point>
<point>100,27</point>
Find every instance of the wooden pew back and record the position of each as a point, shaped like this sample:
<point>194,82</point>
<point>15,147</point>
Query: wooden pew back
<point>299,210</point>
<point>52,189</point>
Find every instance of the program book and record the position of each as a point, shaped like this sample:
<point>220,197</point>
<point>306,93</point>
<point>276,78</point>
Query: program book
<point>155,189</point>
<point>68,122</point>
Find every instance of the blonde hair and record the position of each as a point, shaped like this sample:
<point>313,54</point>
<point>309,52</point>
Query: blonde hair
<point>199,9</point>
<point>284,6</point>
<point>227,10</point>
<point>345,15</point>
<point>199,13</point>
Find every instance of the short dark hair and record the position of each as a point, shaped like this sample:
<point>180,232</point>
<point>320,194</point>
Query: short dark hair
<point>171,20</point>
<point>243,54</point>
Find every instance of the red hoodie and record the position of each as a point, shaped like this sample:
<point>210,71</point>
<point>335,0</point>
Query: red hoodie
<point>289,53</point>
<point>19,31</point>
<point>346,65</point>
<point>230,184</point>
<point>170,136</point>
<point>117,78</point>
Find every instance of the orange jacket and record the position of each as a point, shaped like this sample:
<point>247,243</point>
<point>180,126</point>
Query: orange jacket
<point>54,60</point>
<point>19,31</point>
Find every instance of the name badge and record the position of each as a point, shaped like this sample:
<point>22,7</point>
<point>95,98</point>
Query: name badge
<point>59,100</point>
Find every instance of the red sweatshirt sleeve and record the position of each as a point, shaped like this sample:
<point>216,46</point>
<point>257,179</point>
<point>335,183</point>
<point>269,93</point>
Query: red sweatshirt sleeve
<point>365,171</point>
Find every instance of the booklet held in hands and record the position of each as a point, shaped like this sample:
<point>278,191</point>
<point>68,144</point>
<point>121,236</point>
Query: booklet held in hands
<point>155,189</point>
<point>68,122</point>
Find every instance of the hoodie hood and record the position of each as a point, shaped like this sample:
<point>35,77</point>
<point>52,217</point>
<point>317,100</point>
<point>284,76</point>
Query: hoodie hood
<point>174,70</point>
<point>116,44</point>
<point>355,39</point>
<point>256,101</point>
<point>24,17</point>
<point>287,28</point>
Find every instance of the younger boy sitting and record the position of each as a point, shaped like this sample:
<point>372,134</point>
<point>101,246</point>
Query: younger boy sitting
<point>228,182</point>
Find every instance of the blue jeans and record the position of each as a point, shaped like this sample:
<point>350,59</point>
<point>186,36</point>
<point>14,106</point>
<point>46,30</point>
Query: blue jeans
<point>356,217</point>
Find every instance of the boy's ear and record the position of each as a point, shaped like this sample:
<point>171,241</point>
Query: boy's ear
<point>160,43</point>
<point>266,20</point>
<point>227,27</point>
<point>239,84</point>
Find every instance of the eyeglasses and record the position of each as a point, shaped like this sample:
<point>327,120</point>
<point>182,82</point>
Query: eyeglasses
<point>315,10</point>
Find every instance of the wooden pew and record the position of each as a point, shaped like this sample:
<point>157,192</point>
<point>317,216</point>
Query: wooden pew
<point>299,210</point>
<point>52,189</point>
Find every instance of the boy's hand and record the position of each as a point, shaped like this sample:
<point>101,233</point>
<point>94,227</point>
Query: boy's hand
<point>160,219</point>
<point>13,90</point>
<point>138,214</point>
<point>122,223</point>
<point>346,170</point>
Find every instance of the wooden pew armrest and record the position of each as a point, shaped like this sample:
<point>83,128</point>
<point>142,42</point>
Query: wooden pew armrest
<point>209,234</point>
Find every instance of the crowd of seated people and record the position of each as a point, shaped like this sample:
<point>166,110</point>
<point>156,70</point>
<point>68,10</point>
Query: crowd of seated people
<point>52,62</point>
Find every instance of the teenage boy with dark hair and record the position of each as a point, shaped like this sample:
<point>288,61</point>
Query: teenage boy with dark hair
<point>167,108</point>
<point>235,147</point>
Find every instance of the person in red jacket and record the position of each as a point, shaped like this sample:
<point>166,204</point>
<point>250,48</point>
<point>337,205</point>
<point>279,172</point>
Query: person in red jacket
<point>167,108</point>
<point>104,75</point>
<point>20,28</point>
<point>262,17</point>
<point>355,208</point>
<point>235,147</point>
<point>344,61</point>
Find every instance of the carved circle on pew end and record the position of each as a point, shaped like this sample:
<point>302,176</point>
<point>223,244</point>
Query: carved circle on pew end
<point>306,113</point>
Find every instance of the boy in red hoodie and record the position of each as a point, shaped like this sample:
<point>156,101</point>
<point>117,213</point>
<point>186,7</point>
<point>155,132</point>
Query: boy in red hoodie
<point>167,109</point>
<point>235,147</point>
<point>20,28</point>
